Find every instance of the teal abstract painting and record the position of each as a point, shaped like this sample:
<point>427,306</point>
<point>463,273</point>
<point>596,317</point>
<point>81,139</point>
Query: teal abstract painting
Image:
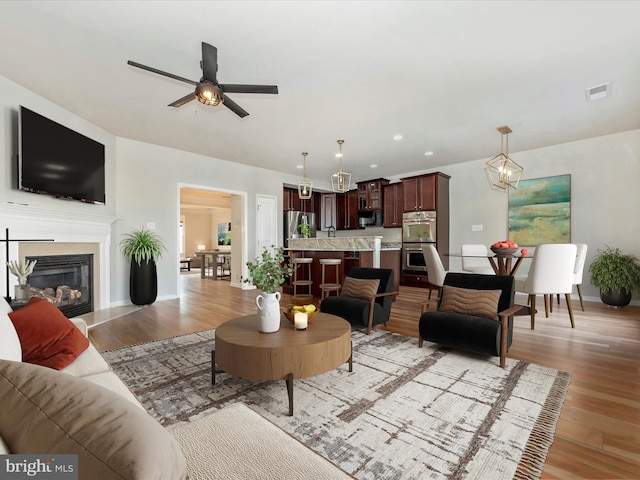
<point>540,211</point>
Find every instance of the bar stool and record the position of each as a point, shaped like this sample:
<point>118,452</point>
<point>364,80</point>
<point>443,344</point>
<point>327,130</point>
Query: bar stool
<point>297,281</point>
<point>325,287</point>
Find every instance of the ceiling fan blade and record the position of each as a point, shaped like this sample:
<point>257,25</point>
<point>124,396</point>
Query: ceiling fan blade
<point>234,107</point>
<point>183,100</point>
<point>160,72</point>
<point>231,88</point>
<point>209,62</point>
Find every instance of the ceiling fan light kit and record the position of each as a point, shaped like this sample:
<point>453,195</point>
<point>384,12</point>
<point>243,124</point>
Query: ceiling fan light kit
<point>340,181</point>
<point>208,91</point>
<point>305,187</point>
<point>209,94</point>
<point>502,171</point>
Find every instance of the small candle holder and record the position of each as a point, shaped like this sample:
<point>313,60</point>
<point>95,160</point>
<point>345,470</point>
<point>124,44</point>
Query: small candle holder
<point>300,321</point>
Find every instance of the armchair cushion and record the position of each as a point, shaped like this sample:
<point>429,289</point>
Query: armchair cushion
<point>481,303</point>
<point>359,288</point>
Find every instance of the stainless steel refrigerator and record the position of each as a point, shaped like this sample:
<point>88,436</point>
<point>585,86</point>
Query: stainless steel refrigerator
<point>292,221</point>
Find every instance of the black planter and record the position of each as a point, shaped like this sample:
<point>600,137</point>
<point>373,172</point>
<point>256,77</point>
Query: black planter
<point>616,298</point>
<point>143,282</point>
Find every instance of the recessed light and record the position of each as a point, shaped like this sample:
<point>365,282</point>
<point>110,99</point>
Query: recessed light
<point>373,165</point>
<point>398,137</point>
<point>428,153</point>
<point>299,167</point>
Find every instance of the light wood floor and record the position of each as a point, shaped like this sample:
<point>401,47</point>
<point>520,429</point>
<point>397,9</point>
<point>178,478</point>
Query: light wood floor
<point>598,433</point>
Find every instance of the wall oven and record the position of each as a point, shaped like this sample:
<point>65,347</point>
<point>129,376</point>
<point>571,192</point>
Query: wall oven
<point>412,258</point>
<point>419,227</point>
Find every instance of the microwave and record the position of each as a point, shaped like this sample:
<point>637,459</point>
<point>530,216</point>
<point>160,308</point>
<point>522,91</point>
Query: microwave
<point>370,219</point>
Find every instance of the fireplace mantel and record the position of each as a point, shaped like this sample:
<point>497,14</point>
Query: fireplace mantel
<point>26,222</point>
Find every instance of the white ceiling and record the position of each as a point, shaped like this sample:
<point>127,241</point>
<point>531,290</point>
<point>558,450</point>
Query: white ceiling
<point>445,75</point>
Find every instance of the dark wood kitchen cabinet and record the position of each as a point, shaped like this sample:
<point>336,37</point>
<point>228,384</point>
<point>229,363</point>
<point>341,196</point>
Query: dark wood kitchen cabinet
<point>425,192</point>
<point>347,210</point>
<point>290,199</point>
<point>370,194</point>
<point>393,205</point>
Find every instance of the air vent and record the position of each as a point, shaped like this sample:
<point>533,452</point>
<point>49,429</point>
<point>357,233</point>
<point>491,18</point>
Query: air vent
<point>598,92</point>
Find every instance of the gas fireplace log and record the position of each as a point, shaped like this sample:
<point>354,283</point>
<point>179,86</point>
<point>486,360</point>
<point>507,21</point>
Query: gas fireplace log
<point>62,295</point>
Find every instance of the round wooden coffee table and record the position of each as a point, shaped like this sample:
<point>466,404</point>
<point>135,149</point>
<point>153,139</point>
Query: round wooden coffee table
<point>241,350</point>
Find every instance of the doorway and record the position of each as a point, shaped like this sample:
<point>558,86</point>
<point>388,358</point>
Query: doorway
<point>204,212</point>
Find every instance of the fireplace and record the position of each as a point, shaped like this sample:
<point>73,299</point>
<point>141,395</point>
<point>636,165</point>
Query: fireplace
<point>64,280</point>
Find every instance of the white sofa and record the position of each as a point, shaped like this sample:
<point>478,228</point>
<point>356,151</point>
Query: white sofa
<point>234,442</point>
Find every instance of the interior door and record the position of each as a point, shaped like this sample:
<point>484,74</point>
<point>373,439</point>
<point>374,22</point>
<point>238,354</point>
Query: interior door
<point>266,222</point>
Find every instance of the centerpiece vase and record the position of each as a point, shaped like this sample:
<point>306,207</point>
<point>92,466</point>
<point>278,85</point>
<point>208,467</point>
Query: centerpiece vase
<point>268,312</point>
<point>22,292</point>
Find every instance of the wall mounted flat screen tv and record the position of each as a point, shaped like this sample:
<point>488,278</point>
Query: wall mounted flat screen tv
<point>55,160</point>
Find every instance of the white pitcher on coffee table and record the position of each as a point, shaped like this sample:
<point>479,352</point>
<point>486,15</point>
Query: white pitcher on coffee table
<point>268,312</point>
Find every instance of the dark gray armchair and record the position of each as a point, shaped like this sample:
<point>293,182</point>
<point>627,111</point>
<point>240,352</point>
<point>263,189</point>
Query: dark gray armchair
<point>471,332</point>
<point>364,312</point>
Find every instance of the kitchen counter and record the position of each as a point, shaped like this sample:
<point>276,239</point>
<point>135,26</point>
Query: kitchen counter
<point>353,244</point>
<point>352,251</point>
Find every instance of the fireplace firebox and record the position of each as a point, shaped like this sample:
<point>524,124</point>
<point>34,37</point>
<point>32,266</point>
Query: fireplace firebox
<point>64,280</point>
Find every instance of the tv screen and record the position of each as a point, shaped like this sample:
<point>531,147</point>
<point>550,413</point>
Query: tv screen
<point>55,160</point>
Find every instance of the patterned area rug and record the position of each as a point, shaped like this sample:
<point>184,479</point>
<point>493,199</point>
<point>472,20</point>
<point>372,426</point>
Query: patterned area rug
<point>404,412</point>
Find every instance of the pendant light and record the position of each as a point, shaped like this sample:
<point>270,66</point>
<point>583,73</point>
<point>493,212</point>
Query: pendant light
<point>305,187</point>
<point>340,181</point>
<point>503,173</point>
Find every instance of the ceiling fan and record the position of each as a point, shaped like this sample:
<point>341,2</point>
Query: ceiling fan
<point>208,90</point>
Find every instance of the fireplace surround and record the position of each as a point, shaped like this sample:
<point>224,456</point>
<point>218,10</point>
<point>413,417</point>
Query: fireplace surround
<point>72,233</point>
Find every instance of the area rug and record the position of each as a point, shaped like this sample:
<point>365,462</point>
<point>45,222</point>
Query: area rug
<point>404,412</point>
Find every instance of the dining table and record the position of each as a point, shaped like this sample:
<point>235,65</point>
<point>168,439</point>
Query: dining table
<point>501,264</point>
<point>209,262</point>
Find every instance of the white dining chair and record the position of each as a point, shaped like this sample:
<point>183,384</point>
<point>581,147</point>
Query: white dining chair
<point>578,270</point>
<point>435,268</point>
<point>551,273</point>
<point>471,261</point>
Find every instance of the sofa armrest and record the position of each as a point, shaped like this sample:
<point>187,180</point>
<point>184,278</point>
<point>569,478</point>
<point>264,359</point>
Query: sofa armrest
<point>81,324</point>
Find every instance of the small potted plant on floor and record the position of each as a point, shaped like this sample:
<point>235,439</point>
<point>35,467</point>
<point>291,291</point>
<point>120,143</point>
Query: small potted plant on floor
<point>142,248</point>
<point>268,272</point>
<point>616,274</point>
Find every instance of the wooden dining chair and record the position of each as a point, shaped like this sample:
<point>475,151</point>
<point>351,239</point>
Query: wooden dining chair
<point>551,273</point>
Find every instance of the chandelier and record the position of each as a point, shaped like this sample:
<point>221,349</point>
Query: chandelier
<point>503,173</point>
<point>340,181</point>
<point>305,187</point>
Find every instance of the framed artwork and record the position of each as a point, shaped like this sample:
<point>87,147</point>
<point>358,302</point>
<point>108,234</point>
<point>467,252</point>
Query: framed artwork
<point>540,211</point>
<point>224,233</point>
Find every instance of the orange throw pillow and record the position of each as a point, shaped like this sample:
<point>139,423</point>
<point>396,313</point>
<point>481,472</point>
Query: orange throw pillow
<point>48,338</point>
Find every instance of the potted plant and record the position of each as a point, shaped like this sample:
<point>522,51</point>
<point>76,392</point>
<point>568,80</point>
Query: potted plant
<point>142,248</point>
<point>21,271</point>
<point>616,274</point>
<point>267,273</point>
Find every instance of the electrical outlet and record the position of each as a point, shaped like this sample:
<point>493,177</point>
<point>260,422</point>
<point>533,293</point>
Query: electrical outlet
<point>476,228</point>
<point>151,226</point>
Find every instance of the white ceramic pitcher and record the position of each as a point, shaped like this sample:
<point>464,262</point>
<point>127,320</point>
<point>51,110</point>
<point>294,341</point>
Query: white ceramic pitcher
<point>268,312</point>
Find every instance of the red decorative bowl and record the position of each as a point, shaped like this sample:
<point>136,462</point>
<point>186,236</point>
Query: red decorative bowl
<point>504,252</point>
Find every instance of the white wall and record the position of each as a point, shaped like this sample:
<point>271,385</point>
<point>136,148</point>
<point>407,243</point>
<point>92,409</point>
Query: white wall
<point>147,177</point>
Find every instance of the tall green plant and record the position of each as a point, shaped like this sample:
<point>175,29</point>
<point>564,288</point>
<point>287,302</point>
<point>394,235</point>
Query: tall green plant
<point>142,245</point>
<point>268,271</point>
<point>613,270</point>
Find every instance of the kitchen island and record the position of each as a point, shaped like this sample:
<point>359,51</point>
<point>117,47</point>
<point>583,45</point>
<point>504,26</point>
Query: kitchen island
<point>353,251</point>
